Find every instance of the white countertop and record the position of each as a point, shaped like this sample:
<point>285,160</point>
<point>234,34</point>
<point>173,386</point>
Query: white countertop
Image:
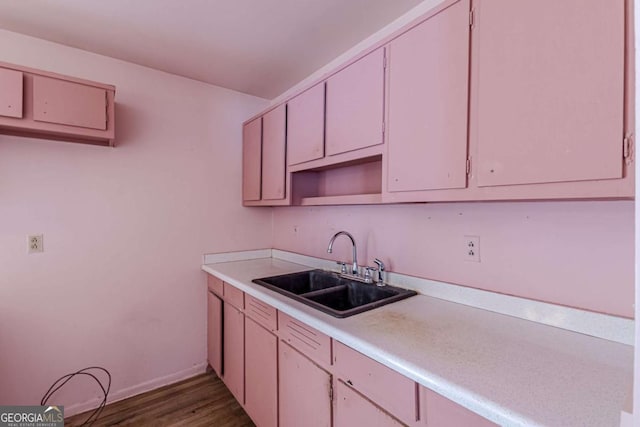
<point>511,371</point>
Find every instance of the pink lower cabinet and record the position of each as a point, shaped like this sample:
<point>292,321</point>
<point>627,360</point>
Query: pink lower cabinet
<point>261,374</point>
<point>389,390</point>
<point>353,409</point>
<point>233,354</point>
<point>442,412</point>
<point>304,390</point>
<point>214,332</point>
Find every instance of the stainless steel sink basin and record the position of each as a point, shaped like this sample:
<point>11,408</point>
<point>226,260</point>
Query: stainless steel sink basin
<point>332,294</point>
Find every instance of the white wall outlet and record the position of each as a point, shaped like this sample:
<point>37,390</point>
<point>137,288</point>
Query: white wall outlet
<point>472,248</point>
<point>34,243</point>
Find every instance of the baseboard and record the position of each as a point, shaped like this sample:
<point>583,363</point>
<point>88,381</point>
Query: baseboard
<point>125,393</point>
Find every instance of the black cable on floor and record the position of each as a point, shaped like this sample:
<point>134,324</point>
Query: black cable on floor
<point>65,379</point>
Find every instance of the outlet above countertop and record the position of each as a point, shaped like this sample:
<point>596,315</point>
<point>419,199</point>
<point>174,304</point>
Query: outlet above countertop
<point>509,370</point>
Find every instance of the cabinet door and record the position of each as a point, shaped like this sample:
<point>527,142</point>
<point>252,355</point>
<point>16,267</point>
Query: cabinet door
<point>550,90</point>
<point>261,374</point>
<point>11,84</point>
<point>69,103</point>
<point>233,355</point>
<point>214,332</point>
<point>273,154</point>
<point>355,99</point>
<point>442,412</point>
<point>304,390</point>
<point>305,126</point>
<point>352,409</point>
<point>251,159</point>
<point>428,103</point>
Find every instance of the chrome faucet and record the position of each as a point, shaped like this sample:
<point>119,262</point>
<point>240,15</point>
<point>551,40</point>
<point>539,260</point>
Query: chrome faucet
<point>354,267</point>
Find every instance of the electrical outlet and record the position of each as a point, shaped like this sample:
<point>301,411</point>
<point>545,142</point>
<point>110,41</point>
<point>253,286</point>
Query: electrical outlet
<point>34,243</point>
<point>472,248</point>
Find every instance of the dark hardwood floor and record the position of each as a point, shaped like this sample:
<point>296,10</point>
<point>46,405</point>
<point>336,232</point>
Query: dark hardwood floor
<point>203,400</point>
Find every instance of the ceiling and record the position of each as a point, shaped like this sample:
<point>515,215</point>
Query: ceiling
<point>260,47</point>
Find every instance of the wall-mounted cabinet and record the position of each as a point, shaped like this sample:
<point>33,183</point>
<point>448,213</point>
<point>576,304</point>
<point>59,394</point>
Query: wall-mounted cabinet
<point>550,91</point>
<point>40,104</point>
<point>264,180</point>
<point>305,126</point>
<point>482,100</point>
<point>355,105</point>
<point>428,103</point>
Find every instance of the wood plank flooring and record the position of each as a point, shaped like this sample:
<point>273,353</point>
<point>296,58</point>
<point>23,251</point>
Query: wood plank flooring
<point>203,400</point>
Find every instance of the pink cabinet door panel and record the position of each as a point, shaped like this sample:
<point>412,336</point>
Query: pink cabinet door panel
<point>273,153</point>
<point>399,394</point>
<point>442,412</point>
<point>11,86</point>
<point>304,390</point>
<point>353,409</point>
<point>355,105</point>
<point>69,103</point>
<point>550,90</point>
<point>428,103</point>
<point>261,374</point>
<point>251,159</point>
<point>305,126</point>
<point>233,355</point>
<point>214,332</point>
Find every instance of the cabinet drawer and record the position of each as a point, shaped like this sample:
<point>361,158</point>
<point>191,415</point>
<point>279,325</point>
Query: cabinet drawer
<point>69,103</point>
<point>262,313</point>
<point>215,285</point>
<point>11,84</point>
<point>233,296</point>
<point>441,412</point>
<point>387,388</point>
<point>305,339</point>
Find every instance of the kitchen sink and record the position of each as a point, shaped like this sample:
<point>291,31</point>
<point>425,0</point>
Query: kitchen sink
<point>332,294</point>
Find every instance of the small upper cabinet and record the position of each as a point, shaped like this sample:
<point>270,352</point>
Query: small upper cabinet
<point>550,91</point>
<point>11,92</point>
<point>264,181</point>
<point>355,105</point>
<point>41,104</point>
<point>428,102</point>
<point>305,126</point>
<point>252,160</point>
<point>273,153</point>
<point>69,103</point>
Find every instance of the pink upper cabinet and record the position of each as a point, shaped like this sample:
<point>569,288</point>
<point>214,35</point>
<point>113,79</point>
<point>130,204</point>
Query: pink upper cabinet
<point>41,104</point>
<point>69,103</point>
<point>11,92</point>
<point>305,126</point>
<point>550,90</point>
<point>251,159</point>
<point>355,100</point>
<point>428,103</point>
<point>273,154</point>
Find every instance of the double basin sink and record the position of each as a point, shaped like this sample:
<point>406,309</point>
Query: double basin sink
<point>333,294</point>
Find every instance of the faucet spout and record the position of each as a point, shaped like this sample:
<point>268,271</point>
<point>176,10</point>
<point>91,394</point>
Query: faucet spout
<point>354,267</point>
